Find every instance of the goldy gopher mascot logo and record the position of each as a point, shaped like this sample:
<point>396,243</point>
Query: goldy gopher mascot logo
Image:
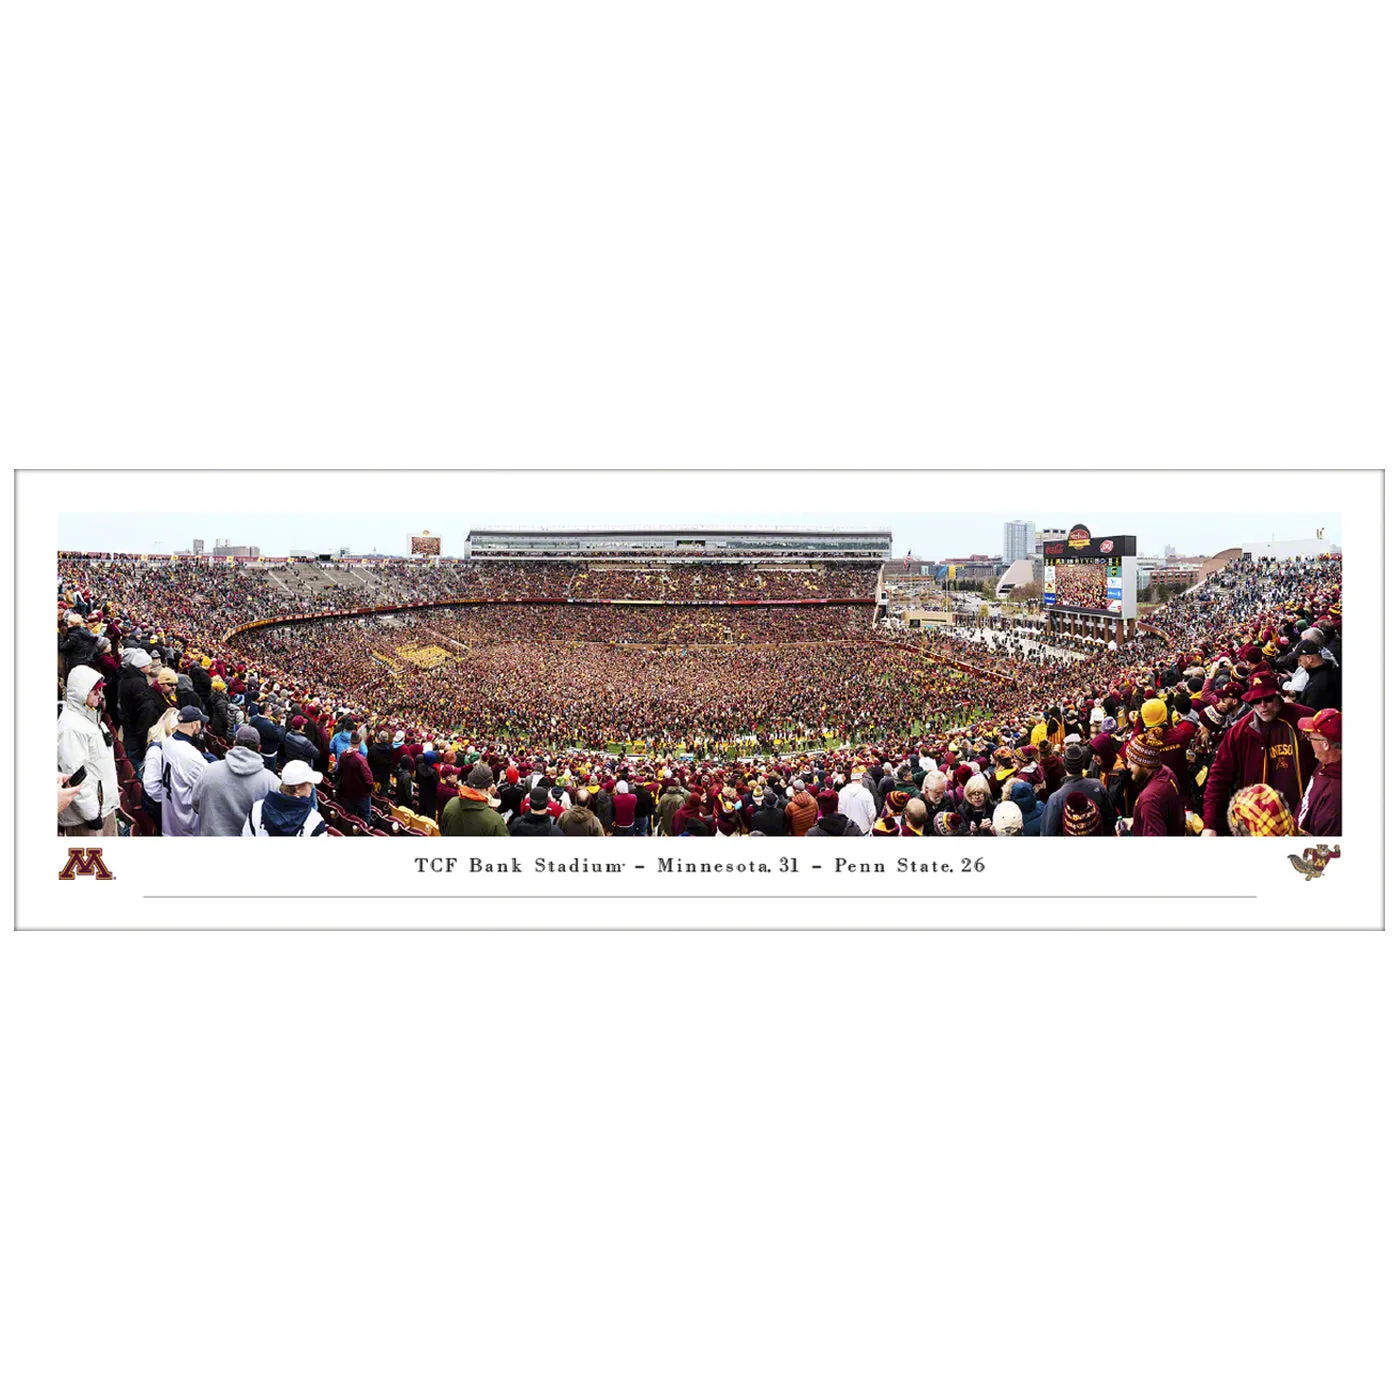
<point>1313,861</point>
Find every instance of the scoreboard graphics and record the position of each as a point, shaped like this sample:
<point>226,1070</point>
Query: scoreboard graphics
<point>1112,557</point>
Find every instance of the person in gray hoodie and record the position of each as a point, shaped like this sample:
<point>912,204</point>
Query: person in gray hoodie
<point>225,792</point>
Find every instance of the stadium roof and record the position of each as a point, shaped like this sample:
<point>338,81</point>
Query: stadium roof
<point>683,530</point>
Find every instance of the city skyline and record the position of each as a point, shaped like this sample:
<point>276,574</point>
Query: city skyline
<point>926,535</point>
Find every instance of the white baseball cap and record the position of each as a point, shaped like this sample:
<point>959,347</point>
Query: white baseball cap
<point>298,772</point>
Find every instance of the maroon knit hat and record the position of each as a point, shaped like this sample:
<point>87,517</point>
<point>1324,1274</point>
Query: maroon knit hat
<point>1082,817</point>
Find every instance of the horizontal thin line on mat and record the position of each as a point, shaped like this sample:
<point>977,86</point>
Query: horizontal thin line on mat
<point>481,894</point>
<point>714,928</point>
<point>738,471</point>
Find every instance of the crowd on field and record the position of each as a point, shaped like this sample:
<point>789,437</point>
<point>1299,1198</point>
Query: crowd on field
<point>1224,720</point>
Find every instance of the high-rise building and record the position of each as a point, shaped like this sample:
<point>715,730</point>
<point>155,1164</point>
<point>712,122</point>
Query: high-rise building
<point>1017,540</point>
<point>1038,551</point>
<point>1169,551</point>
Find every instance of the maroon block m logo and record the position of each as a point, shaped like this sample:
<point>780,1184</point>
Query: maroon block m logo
<point>85,862</point>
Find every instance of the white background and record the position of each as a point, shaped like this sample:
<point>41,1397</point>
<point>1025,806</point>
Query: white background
<point>818,1163</point>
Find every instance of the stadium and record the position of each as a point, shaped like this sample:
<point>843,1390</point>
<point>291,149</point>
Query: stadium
<point>694,682</point>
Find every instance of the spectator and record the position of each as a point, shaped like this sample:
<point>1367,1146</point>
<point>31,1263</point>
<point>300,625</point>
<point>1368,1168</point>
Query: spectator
<point>297,745</point>
<point>1006,819</point>
<point>139,703</point>
<point>291,809</point>
<point>855,803</point>
<point>153,766</point>
<point>1080,816</point>
<point>182,769</point>
<point>219,725</point>
<point>85,742</point>
<point>1323,690</point>
<point>425,786</point>
<point>624,809</point>
<point>535,819</point>
<point>381,761</point>
<point>670,802</point>
<point>201,680</point>
<point>225,792</point>
<point>270,736</point>
<point>1263,748</point>
<point>1030,807</point>
<point>354,783</point>
<point>1321,810</point>
<point>1052,821</point>
<point>1259,810</point>
<point>802,812</point>
<point>1158,809</point>
<point>472,812</point>
<point>976,807</point>
<point>579,821</point>
<point>77,646</point>
<point>404,795</point>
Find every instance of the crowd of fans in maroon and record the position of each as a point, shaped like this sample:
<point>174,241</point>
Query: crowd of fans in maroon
<point>1224,721</point>
<point>1083,585</point>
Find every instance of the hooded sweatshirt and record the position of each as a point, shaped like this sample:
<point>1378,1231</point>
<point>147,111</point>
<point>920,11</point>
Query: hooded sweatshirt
<point>225,792</point>
<point>81,744</point>
<point>1022,794</point>
<point>277,814</point>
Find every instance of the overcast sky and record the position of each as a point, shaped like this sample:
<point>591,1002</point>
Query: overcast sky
<point>928,536</point>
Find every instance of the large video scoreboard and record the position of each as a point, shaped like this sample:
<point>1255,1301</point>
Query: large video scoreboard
<point>1092,575</point>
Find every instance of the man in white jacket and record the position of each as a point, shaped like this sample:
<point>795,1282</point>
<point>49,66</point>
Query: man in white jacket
<point>83,742</point>
<point>182,766</point>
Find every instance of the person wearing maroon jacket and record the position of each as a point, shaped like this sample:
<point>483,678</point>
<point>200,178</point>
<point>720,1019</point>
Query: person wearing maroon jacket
<point>1052,769</point>
<point>1321,812</point>
<point>354,783</point>
<point>624,809</point>
<point>1171,741</point>
<point>1265,746</point>
<point>313,731</point>
<point>1158,809</point>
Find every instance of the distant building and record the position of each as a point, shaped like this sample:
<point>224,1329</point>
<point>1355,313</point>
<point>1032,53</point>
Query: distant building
<point>1038,557</point>
<point>1182,571</point>
<point>198,547</point>
<point>1018,573</point>
<point>1169,550</point>
<point>1017,540</point>
<point>224,550</point>
<point>971,568</point>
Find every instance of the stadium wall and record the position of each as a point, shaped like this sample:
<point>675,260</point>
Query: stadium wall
<point>385,609</point>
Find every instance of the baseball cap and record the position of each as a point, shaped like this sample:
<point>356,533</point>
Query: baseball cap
<point>1328,723</point>
<point>298,772</point>
<point>191,713</point>
<point>1310,649</point>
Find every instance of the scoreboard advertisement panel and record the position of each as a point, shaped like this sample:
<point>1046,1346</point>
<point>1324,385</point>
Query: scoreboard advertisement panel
<point>1093,574</point>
